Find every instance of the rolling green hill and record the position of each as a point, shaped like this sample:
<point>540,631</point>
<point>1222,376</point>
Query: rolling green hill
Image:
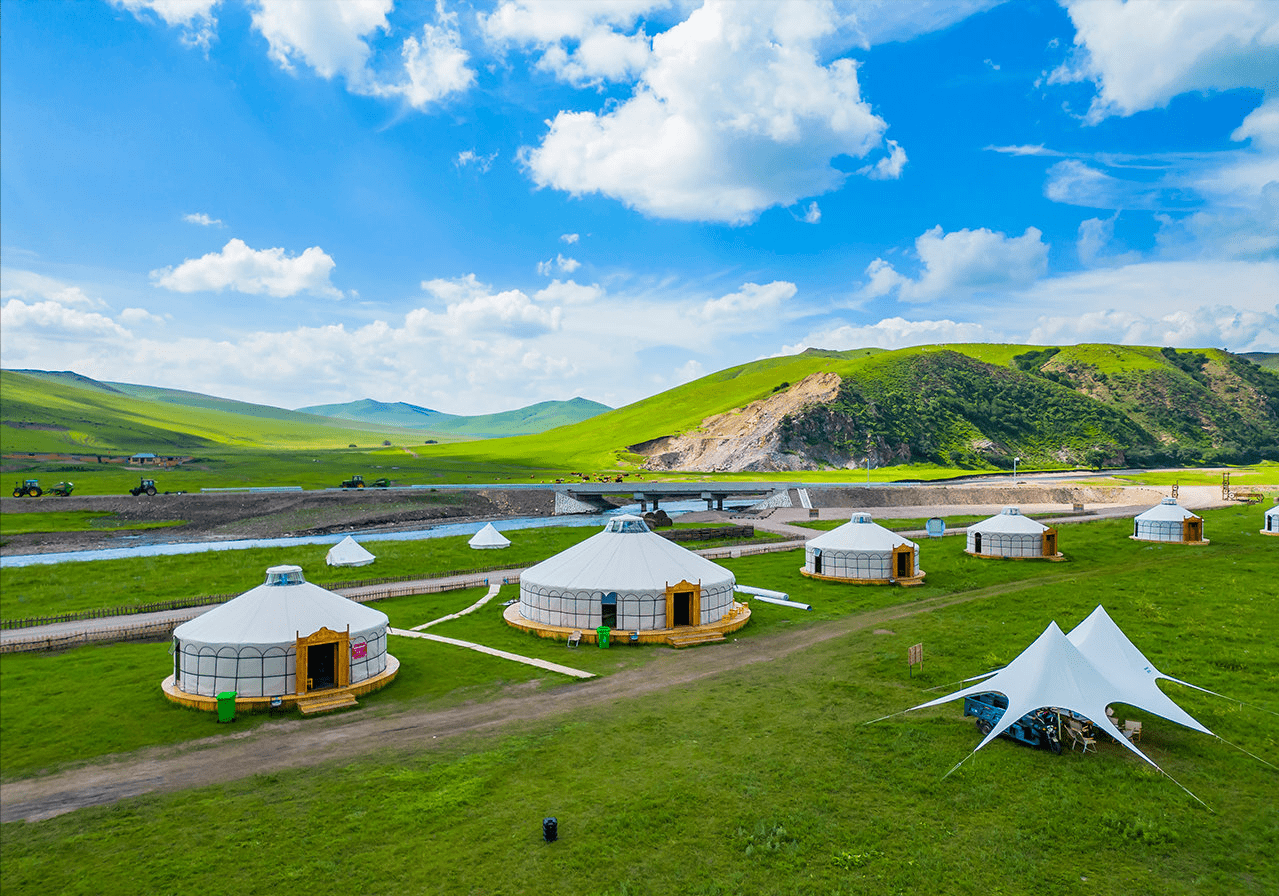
<point>532,419</point>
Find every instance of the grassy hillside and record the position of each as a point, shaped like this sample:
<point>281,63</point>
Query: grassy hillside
<point>532,419</point>
<point>59,413</point>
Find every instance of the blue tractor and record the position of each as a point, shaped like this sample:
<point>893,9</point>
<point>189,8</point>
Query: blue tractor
<point>1036,729</point>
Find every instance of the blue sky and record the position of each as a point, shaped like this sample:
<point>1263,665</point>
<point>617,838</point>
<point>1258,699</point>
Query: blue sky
<point>476,206</point>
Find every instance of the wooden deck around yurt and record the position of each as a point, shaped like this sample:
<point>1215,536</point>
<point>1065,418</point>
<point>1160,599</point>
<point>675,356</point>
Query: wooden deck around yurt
<point>308,703</point>
<point>680,636</point>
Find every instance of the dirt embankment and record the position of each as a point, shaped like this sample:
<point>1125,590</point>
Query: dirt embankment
<point>226,516</point>
<point>745,438</point>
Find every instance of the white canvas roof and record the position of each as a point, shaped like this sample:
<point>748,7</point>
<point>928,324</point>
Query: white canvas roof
<point>348,552</point>
<point>272,614</point>
<point>626,556</point>
<point>1167,509</point>
<point>1009,521</point>
<point>1127,669</point>
<point>1050,672</point>
<point>488,537</point>
<point>859,534</point>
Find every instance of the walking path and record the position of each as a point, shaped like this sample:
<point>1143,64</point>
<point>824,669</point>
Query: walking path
<point>493,651</point>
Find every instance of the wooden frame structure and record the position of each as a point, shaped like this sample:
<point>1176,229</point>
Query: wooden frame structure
<point>675,593</point>
<point>342,659</point>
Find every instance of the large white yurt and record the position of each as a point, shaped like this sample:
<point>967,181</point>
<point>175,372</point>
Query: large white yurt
<point>1270,523</point>
<point>864,552</point>
<point>489,539</point>
<point>625,577</point>
<point>1008,534</point>
<point>348,552</point>
<point>1168,521</point>
<point>285,638</point>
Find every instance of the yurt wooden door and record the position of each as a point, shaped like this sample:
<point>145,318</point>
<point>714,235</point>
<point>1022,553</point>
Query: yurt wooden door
<point>1192,529</point>
<point>903,561</point>
<point>683,604</point>
<point>323,660</point>
<point>1050,542</point>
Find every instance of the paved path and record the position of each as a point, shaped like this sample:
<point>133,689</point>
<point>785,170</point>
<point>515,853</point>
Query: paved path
<point>493,651</point>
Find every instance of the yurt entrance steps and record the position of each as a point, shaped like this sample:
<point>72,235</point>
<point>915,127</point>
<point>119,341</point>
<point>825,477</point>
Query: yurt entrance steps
<point>694,638</point>
<point>327,701</point>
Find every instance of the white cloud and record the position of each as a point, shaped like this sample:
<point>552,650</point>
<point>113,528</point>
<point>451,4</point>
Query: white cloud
<point>332,38</point>
<point>434,67</point>
<point>23,324</point>
<point>890,333</point>
<point>560,261</point>
<point>751,299</point>
<point>469,158</point>
<point>202,219</point>
<point>135,316</point>
<point>689,371</point>
<point>888,168</point>
<point>812,214</point>
<point>570,238</point>
<point>569,293</point>
<point>960,263</point>
<point>1024,150</point>
<point>33,287</point>
<point>735,113</point>
<point>194,17</point>
<point>1209,326</point>
<point>1142,54</point>
<point>267,271</point>
<point>581,41</point>
<point>474,308</point>
<point>1094,244</point>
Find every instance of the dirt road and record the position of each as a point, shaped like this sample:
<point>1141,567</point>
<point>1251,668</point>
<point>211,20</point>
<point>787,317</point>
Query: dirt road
<point>360,732</point>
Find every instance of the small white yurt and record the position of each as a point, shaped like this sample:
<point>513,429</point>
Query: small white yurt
<point>1168,521</point>
<point>1270,523</point>
<point>1008,534</point>
<point>489,539</point>
<point>624,577</point>
<point>348,552</point>
<point>285,638</point>
<point>864,552</point>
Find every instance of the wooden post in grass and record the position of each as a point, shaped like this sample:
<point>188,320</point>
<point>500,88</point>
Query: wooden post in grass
<point>916,655</point>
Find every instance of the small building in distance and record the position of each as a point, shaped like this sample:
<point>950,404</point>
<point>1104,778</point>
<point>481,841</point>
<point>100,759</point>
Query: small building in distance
<point>348,552</point>
<point>863,552</point>
<point>284,642</point>
<point>1009,535</point>
<point>1168,522</point>
<point>1270,522</point>
<point>630,579</point>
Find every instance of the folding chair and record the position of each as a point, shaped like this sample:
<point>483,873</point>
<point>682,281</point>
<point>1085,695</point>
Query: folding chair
<point>1132,730</point>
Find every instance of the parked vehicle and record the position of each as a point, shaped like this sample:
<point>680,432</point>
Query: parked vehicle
<point>144,486</point>
<point>1036,729</point>
<point>62,489</point>
<point>28,488</point>
<point>381,483</point>
<point>356,481</point>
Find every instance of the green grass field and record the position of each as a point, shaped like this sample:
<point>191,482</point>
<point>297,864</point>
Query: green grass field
<point>761,779</point>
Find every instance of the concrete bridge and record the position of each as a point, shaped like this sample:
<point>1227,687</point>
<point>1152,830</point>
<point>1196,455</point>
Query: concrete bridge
<point>713,493</point>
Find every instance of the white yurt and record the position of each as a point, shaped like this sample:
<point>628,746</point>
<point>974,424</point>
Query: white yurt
<point>1270,523</point>
<point>863,551</point>
<point>489,539</point>
<point>624,577</point>
<point>1170,522</point>
<point>1009,534</point>
<point>348,552</point>
<point>285,638</point>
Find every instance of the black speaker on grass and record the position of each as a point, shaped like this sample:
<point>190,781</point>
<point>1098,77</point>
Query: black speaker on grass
<point>550,830</point>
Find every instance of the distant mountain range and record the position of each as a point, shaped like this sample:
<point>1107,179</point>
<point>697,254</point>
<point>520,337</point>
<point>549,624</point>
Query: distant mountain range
<point>525,421</point>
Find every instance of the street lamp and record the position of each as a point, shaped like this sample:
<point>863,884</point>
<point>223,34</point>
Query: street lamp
<point>1015,459</point>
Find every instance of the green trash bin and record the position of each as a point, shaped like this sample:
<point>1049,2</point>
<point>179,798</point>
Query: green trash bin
<point>226,706</point>
<point>602,633</point>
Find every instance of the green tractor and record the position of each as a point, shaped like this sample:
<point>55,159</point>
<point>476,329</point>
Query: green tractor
<point>356,481</point>
<point>28,488</point>
<point>62,489</point>
<point>144,487</point>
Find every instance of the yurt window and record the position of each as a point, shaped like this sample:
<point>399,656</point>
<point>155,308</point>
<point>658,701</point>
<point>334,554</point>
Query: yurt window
<point>284,576</point>
<point>608,609</point>
<point>627,526</point>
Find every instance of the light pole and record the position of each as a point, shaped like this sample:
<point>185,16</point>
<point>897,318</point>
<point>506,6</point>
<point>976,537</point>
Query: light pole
<point>1015,459</point>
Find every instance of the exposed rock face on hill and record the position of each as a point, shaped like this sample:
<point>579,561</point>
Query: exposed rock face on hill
<point>746,438</point>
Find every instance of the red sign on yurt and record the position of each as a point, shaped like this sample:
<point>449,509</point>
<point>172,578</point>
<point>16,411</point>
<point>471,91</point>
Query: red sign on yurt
<point>358,650</point>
